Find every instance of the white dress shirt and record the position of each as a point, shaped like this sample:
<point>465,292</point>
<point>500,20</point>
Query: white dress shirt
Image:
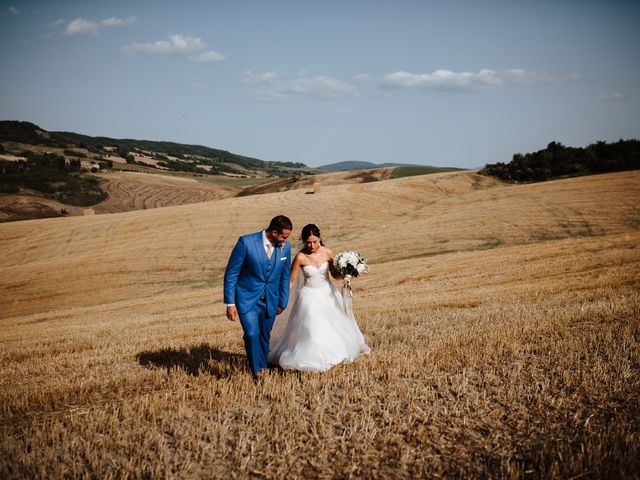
<point>266,243</point>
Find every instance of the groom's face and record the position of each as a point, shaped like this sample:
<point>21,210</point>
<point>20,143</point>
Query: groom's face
<point>278,237</point>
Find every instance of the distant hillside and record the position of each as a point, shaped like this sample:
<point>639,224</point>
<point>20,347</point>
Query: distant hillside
<point>413,170</point>
<point>558,161</point>
<point>323,179</point>
<point>356,165</point>
<point>165,155</point>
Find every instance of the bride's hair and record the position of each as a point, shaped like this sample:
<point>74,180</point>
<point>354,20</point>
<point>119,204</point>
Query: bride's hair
<point>310,229</point>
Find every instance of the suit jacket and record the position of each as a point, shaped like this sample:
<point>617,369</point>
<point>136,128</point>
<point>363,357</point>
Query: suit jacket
<point>247,275</point>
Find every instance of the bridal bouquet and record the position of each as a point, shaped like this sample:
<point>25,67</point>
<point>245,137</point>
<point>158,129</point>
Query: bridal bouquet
<point>350,264</point>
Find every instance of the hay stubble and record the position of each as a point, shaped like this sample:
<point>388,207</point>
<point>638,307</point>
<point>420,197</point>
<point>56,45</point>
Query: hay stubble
<point>515,361</point>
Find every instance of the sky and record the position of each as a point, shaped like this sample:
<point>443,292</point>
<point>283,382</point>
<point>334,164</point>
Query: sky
<point>446,83</point>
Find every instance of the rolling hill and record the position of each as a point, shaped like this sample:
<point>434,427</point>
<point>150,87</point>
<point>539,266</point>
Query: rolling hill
<point>17,137</point>
<point>142,174</point>
<point>429,215</point>
<point>357,165</point>
<point>503,321</point>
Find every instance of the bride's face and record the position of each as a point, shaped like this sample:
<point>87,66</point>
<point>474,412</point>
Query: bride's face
<point>312,243</point>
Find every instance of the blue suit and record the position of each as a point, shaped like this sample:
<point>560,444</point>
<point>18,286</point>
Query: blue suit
<point>257,286</point>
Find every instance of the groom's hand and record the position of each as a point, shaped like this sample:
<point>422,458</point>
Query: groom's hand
<point>232,313</point>
<point>280,310</point>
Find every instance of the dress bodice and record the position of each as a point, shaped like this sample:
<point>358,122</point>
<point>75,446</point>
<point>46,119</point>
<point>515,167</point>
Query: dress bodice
<point>316,277</point>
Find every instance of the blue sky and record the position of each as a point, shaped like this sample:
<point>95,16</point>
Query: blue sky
<point>429,82</point>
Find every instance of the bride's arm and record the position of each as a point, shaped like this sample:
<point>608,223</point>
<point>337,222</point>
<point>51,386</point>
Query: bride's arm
<point>295,268</point>
<point>332,270</point>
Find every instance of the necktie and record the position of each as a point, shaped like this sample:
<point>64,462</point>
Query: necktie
<point>269,251</point>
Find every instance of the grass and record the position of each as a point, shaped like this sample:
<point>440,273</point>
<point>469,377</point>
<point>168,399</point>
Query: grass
<point>491,242</point>
<point>518,362</point>
<point>544,235</point>
<point>133,167</point>
<point>537,374</point>
<point>232,181</point>
<point>401,172</point>
<point>633,221</point>
<point>441,240</point>
<point>215,179</point>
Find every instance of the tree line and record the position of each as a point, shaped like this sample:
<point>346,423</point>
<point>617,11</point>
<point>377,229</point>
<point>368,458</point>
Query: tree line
<point>52,176</point>
<point>559,161</point>
<point>29,133</point>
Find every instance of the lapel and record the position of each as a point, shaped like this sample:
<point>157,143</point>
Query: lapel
<point>261,255</point>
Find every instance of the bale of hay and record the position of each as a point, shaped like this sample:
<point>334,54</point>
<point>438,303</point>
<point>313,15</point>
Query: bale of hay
<point>316,187</point>
<point>89,211</point>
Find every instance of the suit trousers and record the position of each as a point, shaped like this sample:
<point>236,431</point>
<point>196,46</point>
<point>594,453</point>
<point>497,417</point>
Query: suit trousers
<point>257,325</point>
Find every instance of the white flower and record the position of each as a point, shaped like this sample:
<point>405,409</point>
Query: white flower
<point>350,262</point>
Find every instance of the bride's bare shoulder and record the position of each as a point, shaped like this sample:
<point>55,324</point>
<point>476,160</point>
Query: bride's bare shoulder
<point>300,258</point>
<point>328,252</point>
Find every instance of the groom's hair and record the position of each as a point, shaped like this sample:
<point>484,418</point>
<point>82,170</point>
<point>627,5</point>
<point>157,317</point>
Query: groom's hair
<point>279,224</point>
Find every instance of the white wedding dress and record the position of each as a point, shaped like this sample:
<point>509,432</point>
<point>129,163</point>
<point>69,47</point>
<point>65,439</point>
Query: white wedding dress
<point>318,333</point>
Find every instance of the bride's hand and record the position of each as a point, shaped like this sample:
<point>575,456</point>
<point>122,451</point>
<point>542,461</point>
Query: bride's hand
<point>332,270</point>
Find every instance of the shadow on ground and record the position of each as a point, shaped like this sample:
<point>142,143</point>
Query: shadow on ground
<point>202,359</point>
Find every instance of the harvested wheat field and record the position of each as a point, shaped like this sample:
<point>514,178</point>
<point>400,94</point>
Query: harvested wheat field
<point>324,179</point>
<point>138,191</point>
<point>29,207</point>
<point>504,324</point>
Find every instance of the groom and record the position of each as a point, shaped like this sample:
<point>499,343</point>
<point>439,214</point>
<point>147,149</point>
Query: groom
<point>256,286</point>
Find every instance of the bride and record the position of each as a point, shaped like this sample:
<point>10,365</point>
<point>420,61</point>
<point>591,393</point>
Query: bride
<point>319,333</point>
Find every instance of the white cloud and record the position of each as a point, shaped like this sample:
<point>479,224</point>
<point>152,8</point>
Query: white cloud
<point>361,78</point>
<point>192,48</point>
<point>57,23</point>
<point>446,80</point>
<point>319,87</point>
<point>14,10</point>
<point>611,97</point>
<point>81,26</point>
<point>519,76</point>
<point>268,95</point>
<point>176,45</point>
<point>118,22</point>
<point>208,56</point>
<point>270,77</point>
<point>267,77</point>
<point>272,87</point>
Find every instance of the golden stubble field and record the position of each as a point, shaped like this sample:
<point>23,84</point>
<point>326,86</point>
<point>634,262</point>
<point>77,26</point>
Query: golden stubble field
<point>504,324</point>
<point>139,191</point>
